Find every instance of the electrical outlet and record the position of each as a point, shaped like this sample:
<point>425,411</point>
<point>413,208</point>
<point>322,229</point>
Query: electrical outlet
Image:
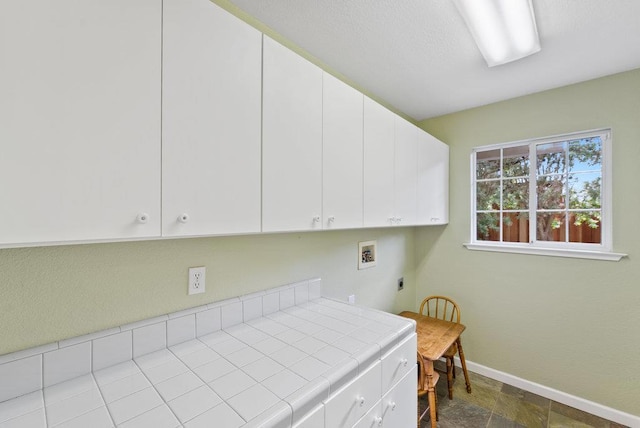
<point>400,284</point>
<point>197,280</point>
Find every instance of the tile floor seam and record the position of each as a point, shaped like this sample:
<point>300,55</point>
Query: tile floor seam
<point>77,416</point>
<point>113,422</point>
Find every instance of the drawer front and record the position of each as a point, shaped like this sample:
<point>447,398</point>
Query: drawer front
<point>400,405</point>
<point>372,419</point>
<point>398,362</point>
<point>348,405</point>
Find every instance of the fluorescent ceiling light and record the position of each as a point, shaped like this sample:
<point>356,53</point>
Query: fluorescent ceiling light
<point>504,30</point>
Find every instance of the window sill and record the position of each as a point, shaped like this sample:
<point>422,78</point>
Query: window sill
<point>554,252</point>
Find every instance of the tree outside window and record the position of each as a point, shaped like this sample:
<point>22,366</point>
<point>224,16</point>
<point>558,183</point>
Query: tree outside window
<point>541,191</point>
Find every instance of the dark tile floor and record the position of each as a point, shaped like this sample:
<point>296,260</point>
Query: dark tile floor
<point>493,404</point>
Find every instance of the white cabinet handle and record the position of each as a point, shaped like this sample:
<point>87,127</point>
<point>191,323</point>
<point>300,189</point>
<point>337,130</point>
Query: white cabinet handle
<point>316,219</point>
<point>392,405</point>
<point>360,400</point>
<point>142,218</point>
<point>378,421</point>
<point>392,220</point>
<point>331,219</point>
<point>404,362</point>
<point>183,218</point>
<point>399,219</point>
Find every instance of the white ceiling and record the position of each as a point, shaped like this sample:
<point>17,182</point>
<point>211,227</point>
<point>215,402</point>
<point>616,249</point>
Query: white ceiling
<point>418,56</point>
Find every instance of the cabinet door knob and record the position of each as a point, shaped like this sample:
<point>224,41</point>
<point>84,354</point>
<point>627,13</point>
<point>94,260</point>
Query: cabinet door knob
<point>378,421</point>
<point>331,219</point>
<point>142,218</point>
<point>399,219</point>
<point>360,400</point>
<point>392,220</point>
<point>316,219</point>
<point>183,218</point>
<point>392,405</point>
<point>404,362</point>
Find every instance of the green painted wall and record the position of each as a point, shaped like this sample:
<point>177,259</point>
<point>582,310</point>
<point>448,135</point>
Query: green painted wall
<point>569,324</point>
<point>53,293</point>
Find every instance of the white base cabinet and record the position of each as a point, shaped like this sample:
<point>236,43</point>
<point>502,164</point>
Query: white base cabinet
<point>385,394</point>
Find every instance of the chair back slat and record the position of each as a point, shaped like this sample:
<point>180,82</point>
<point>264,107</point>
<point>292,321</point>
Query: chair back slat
<point>440,307</point>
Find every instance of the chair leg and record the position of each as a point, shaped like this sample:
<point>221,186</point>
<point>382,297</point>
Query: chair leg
<point>450,377</point>
<point>464,365</point>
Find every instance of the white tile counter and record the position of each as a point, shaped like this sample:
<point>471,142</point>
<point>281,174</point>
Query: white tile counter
<point>270,359</point>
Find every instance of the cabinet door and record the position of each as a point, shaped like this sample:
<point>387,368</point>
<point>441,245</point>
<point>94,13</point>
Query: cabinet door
<point>433,180</point>
<point>378,165</point>
<point>400,405</point>
<point>291,141</point>
<point>211,121</point>
<point>341,154</point>
<point>79,120</point>
<point>349,404</point>
<point>405,172</point>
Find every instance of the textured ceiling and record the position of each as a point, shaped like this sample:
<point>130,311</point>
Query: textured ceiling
<point>418,56</point>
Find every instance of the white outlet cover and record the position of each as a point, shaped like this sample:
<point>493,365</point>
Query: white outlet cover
<point>197,276</point>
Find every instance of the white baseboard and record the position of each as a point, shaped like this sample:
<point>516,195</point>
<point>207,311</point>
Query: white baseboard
<point>597,409</point>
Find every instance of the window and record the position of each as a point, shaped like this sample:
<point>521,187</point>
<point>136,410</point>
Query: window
<point>545,196</point>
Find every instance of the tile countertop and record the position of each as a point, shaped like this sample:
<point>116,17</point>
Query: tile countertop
<point>265,372</point>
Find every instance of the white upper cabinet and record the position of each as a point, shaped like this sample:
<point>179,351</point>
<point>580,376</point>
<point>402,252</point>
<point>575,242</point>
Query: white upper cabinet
<point>79,120</point>
<point>291,141</point>
<point>433,180</point>
<point>341,155</point>
<point>211,126</point>
<point>379,130</point>
<point>406,172</point>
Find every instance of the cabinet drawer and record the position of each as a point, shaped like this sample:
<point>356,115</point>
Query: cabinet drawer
<point>372,419</point>
<point>353,401</point>
<point>398,362</point>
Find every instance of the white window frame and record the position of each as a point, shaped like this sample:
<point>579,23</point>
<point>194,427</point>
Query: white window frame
<point>602,251</point>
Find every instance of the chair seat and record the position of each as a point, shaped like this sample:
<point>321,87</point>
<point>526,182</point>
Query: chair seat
<point>451,352</point>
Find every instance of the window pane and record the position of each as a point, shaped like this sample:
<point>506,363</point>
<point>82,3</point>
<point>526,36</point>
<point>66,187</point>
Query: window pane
<point>488,195</point>
<point>488,226</point>
<point>551,158</point>
<point>515,227</point>
<point>585,227</point>
<point>585,154</point>
<point>550,227</point>
<point>515,194</point>
<point>515,161</point>
<point>488,164</point>
<point>584,190</point>
<point>551,192</point>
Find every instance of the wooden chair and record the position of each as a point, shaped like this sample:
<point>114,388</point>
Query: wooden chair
<point>422,388</point>
<point>445,309</point>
